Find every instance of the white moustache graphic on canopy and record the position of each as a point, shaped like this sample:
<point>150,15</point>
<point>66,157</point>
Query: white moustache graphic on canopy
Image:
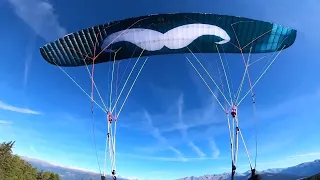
<point>175,38</point>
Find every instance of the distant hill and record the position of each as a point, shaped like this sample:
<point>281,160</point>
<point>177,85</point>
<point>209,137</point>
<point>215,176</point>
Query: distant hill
<point>314,177</point>
<point>301,171</point>
<point>304,169</point>
<point>265,176</point>
<point>67,173</point>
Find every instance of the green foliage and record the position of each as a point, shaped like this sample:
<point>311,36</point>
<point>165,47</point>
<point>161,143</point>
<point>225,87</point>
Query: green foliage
<point>12,167</point>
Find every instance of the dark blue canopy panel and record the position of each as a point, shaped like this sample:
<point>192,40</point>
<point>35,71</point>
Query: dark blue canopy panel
<point>167,34</point>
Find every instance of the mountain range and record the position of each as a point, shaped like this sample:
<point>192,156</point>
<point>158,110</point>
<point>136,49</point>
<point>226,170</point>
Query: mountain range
<point>67,173</point>
<point>300,171</point>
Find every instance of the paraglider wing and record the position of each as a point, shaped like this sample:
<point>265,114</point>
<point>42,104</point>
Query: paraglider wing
<point>167,34</point>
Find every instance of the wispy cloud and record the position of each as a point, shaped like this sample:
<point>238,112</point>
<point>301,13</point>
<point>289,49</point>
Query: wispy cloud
<point>169,159</point>
<point>196,149</point>
<point>200,122</point>
<point>215,149</point>
<point>205,116</point>
<point>157,135</point>
<point>184,129</point>
<point>28,60</point>
<point>311,154</point>
<point>33,149</point>
<point>12,108</point>
<point>40,16</point>
<point>27,68</point>
<point>5,122</point>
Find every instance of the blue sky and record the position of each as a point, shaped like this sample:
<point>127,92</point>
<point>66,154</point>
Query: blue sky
<point>49,116</point>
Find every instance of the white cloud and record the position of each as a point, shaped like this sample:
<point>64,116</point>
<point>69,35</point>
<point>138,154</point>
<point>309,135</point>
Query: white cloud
<point>27,68</point>
<point>40,16</point>
<point>196,149</point>
<point>33,149</point>
<point>201,122</point>
<point>181,125</point>
<point>157,135</point>
<point>215,149</point>
<point>28,60</point>
<point>5,122</point>
<point>169,159</point>
<point>204,116</point>
<point>305,155</point>
<point>8,107</point>
<point>184,128</point>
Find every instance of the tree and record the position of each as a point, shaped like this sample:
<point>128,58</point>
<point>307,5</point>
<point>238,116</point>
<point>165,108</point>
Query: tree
<point>12,167</point>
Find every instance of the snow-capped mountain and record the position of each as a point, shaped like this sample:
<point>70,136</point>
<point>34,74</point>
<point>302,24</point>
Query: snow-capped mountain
<point>304,169</point>
<point>67,173</point>
<point>290,173</point>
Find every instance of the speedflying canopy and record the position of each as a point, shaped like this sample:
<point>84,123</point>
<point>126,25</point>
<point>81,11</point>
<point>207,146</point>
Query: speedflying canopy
<point>167,34</point>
